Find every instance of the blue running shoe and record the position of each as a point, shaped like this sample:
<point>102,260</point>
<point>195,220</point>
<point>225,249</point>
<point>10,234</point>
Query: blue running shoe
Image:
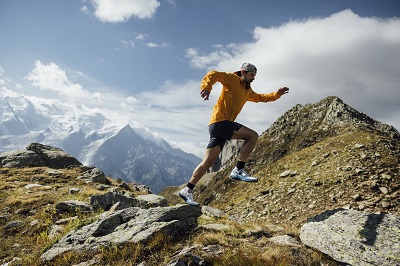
<point>242,175</point>
<point>187,195</point>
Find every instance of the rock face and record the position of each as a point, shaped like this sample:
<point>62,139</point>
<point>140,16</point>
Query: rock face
<point>303,126</point>
<point>37,155</point>
<point>131,225</point>
<point>355,237</point>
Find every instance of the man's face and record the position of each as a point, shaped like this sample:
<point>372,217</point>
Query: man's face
<point>248,77</point>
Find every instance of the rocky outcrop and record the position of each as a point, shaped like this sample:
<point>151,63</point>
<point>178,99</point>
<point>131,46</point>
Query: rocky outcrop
<point>131,225</point>
<point>303,126</point>
<point>355,237</point>
<point>37,155</point>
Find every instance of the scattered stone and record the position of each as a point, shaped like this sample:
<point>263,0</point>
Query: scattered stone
<point>383,190</point>
<point>285,240</point>
<point>14,226</point>
<point>54,172</point>
<point>357,197</point>
<point>74,191</point>
<point>105,201</point>
<point>386,176</point>
<point>30,186</point>
<point>73,206</point>
<point>385,204</point>
<point>95,175</point>
<point>213,249</point>
<point>151,201</point>
<point>212,212</point>
<point>358,146</point>
<point>288,173</point>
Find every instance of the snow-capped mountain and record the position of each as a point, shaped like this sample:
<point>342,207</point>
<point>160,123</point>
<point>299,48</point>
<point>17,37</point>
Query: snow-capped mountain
<point>132,154</point>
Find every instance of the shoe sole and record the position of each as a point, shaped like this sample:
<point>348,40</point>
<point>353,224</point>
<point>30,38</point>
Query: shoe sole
<point>186,200</point>
<point>244,180</point>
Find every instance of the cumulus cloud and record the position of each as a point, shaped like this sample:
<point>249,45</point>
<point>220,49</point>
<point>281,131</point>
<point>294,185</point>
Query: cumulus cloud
<point>123,10</point>
<point>345,55</point>
<point>52,77</point>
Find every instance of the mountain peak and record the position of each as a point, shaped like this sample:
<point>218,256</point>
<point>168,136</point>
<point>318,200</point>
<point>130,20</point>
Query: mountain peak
<point>305,125</point>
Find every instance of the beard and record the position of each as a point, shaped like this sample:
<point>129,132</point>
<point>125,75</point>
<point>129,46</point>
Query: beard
<point>248,83</point>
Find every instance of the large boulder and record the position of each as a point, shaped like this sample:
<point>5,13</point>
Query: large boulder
<point>131,225</point>
<point>37,155</point>
<point>355,237</point>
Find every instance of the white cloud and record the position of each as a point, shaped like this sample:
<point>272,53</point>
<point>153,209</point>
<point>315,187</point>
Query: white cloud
<point>157,45</point>
<point>128,44</point>
<point>345,55</point>
<point>52,78</point>
<point>85,10</point>
<point>141,36</point>
<point>123,10</point>
<point>208,60</point>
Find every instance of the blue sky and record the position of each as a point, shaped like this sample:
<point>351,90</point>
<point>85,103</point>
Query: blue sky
<point>143,60</point>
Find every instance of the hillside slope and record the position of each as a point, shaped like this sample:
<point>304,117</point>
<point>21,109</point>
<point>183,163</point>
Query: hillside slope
<point>314,158</point>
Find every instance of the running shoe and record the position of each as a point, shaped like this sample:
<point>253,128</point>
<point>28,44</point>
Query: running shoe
<point>240,174</point>
<point>187,195</point>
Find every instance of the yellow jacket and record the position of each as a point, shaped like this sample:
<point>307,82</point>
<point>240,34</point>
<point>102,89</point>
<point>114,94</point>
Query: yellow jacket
<point>233,96</point>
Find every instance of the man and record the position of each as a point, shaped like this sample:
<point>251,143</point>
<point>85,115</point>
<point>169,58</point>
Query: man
<point>236,91</point>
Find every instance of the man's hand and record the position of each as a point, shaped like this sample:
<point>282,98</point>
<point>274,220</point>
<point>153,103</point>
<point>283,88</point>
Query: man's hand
<point>205,94</point>
<point>283,90</point>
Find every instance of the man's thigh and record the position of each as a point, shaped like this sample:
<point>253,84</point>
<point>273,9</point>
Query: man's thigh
<point>244,133</point>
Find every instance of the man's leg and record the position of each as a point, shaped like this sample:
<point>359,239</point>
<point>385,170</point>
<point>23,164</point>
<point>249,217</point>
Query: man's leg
<point>208,160</point>
<point>250,138</point>
<point>187,192</point>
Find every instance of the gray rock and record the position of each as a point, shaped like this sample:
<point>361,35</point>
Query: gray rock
<point>288,173</point>
<point>131,225</point>
<point>73,206</point>
<point>14,226</point>
<point>285,240</point>
<point>355,237</point>
<point>151,201</point>
<point>74,190</point>
<point>212,212</point>
<point>37,155</point>
<point>105,201</point>
<point>95,175</point>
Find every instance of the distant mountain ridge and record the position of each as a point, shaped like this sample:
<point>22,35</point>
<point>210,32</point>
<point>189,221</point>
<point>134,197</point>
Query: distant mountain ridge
<point>131,154</point>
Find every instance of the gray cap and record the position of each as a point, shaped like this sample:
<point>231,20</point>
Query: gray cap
<point>249,67</point>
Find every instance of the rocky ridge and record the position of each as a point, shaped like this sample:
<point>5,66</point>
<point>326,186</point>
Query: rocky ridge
<point>314,158</point>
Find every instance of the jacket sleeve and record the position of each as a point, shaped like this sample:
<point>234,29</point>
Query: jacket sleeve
<point>255,97</point>
<point>213,77</point>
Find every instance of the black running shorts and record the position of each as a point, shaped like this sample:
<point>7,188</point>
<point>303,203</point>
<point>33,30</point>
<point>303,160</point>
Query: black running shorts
<point>221,131</point>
